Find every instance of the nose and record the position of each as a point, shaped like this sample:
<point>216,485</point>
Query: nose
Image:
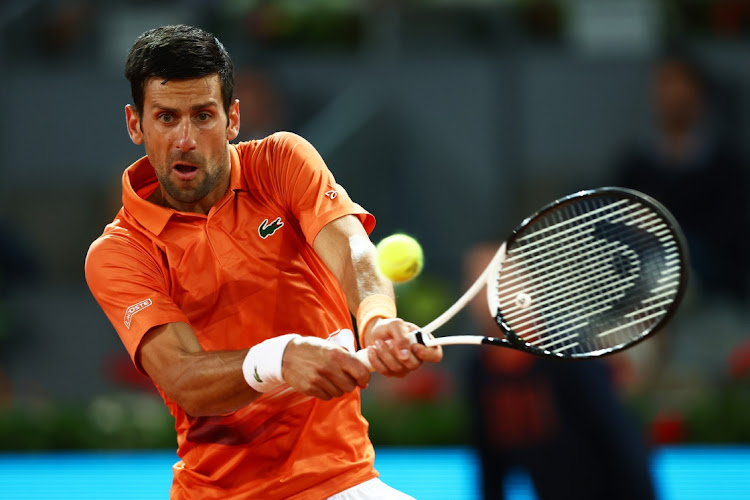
<point>185,137</point>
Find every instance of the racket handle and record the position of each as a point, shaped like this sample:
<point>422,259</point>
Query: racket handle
<point>363,356</point>
<point>415,337</point>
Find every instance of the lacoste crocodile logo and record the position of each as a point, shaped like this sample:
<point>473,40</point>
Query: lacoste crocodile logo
<point>255,374</point>
<point>265,229</point>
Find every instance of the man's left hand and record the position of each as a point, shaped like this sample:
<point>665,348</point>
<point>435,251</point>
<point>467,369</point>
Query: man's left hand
<point>392,353</point>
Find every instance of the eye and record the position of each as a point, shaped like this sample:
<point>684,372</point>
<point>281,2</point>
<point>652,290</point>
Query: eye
<point>165,118</point>
<point>203,116</point>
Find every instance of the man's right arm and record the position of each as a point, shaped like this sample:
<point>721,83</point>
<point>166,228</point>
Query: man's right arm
<point>130,287</point>
<point>201,383</point>
<point>207,383</point>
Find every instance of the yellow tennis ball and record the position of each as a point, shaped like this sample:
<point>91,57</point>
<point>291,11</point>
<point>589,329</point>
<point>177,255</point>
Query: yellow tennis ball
<point>400,257</point>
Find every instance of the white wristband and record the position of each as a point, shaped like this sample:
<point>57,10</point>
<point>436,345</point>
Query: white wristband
<point>262,364</point>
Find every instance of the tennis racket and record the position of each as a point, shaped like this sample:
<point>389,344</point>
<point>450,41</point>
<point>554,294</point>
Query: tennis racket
<point>588,275</point>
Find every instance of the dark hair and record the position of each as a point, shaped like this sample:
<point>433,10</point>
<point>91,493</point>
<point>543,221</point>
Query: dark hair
<point>175,53</point>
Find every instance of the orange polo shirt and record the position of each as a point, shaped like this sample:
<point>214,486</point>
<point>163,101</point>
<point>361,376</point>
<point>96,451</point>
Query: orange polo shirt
<point>242,274</point>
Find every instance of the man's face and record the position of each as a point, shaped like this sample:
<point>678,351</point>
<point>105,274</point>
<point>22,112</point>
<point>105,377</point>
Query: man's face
<point>185,132</point>
<point>677,97</point>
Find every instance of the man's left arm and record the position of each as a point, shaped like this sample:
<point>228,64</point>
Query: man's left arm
<point>345,248</point>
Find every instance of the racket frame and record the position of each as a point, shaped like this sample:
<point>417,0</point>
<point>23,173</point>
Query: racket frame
<point>492,271</point>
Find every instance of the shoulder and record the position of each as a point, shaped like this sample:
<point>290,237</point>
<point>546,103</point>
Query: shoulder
<point>119,247</point>
<point>288,141</point>
<point>115,239</point>
<point>277,146</point>
<point>278,161</point>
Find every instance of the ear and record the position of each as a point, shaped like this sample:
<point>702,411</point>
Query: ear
<point>233,125</point>
<point>133,122</point>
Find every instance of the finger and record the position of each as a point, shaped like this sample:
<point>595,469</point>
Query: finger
<point>326,388</point>
<point>344,382</point>
<point>375,363</point>
<point>401,339</point>
<point>386,356</point>
<point>429,354</point>
<point>404,355</point>
<point>315,392</point>
<point>337,371</point>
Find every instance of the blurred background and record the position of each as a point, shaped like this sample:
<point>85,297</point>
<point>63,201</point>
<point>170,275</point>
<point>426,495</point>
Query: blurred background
<point>450,120</point>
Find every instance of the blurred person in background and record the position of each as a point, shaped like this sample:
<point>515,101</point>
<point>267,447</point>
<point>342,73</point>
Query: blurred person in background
<point>230,275</point>
<point>689,162</point>
<point>260,103</point>
<point>561,421</point>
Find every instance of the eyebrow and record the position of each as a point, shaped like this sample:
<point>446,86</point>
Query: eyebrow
<point>195,107</point>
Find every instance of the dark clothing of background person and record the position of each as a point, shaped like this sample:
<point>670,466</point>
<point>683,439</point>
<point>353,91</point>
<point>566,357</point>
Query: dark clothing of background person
<point>560,421</point>
<point>707,192</point>
<point>689,163</point>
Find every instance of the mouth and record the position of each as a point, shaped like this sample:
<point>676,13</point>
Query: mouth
<point>185,171</point>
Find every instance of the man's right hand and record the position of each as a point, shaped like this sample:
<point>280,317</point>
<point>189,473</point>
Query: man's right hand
<point>322,369</point>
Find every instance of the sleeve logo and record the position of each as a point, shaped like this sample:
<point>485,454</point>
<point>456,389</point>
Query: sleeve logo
<point>135,308</point>
<point>331,194</point>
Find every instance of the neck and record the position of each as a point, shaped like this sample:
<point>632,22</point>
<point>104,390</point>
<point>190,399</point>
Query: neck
<point>680,144</point>
<point>202,206</point>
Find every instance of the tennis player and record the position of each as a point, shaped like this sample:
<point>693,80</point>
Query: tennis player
<point>230,274</point>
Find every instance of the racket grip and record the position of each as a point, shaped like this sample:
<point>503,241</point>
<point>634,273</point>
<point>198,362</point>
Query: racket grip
<point>363,354</point>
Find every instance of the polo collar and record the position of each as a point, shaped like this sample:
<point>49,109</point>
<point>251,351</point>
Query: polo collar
<point>139,182</point>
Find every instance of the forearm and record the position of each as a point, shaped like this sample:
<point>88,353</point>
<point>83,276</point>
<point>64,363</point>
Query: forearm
<point>209,383</point>
<point>201,382</point>
<point>360,276</point>
<point>350,255</point>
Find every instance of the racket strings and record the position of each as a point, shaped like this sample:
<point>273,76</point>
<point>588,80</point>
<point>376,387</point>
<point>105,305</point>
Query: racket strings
<point>564,285</point>
<point>642,319</point>
<point>588,219</point>
<point>572,234</point>
<point>571,247</point>
<point>543,272</point>
<point>571,295</point>
<point>528,317</point>
<point>589,276</point>
<point>553,281</point>
<point>651,313</point>
<point>573,219</point>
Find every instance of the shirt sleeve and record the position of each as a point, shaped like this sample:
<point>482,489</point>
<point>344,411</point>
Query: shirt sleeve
<point>309,189</point>
<point>131,287</point>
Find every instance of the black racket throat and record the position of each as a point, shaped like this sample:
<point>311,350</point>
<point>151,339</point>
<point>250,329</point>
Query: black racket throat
<point>501,343</point>
<point>514,342</point>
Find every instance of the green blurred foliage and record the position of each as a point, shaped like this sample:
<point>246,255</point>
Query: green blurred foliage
<point>424,298</point>
<point>127,421</point>
<point>722,416</point>
<point>117,421</point>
